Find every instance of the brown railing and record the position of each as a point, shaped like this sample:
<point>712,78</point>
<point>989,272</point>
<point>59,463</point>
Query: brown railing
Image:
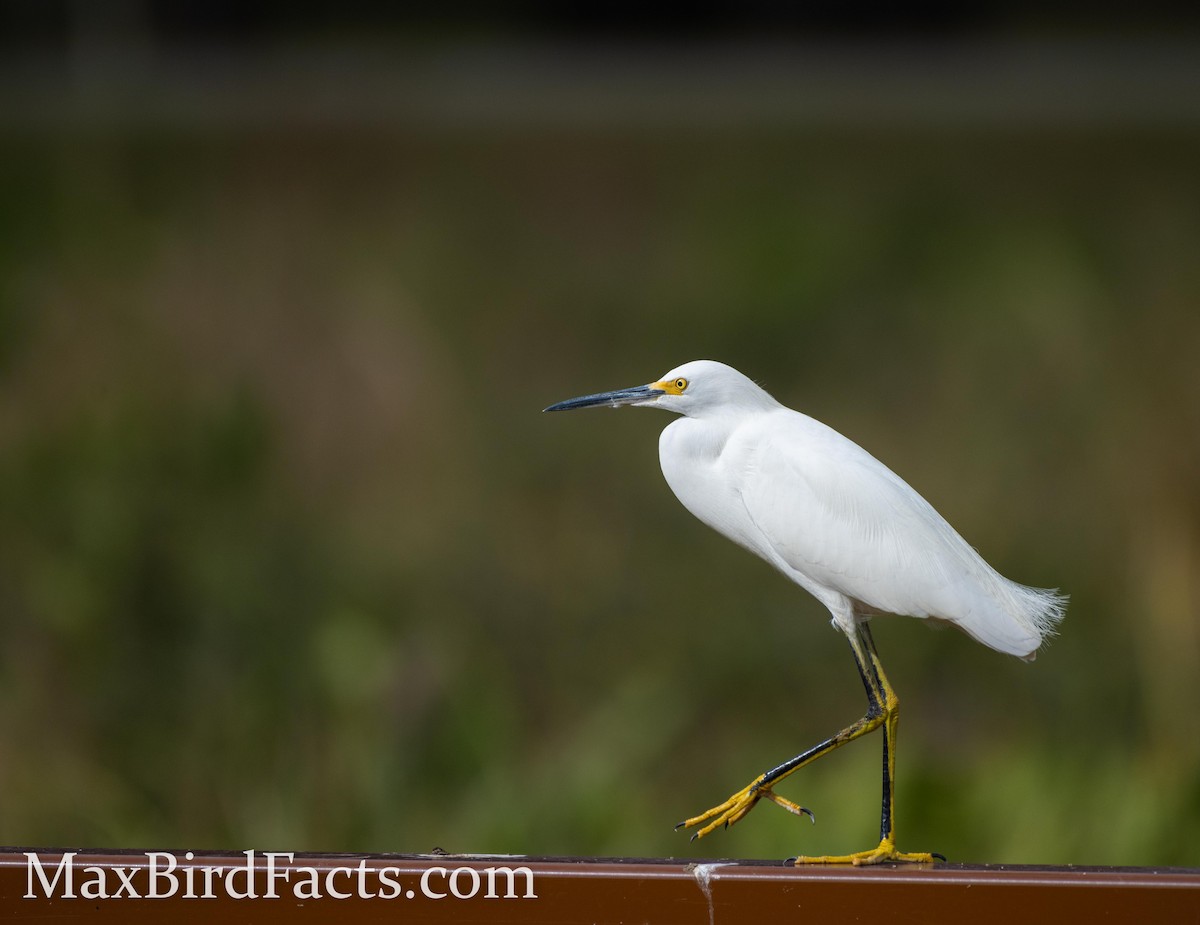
<point>176,886</point>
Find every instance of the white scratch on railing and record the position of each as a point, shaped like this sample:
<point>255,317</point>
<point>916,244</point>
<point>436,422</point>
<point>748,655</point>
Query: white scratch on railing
<point>703,874</point>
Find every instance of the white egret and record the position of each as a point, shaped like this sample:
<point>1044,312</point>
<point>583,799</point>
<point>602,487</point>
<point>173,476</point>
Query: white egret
<point>842,526</point>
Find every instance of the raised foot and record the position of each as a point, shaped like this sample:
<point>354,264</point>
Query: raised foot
<point>886,853</point>
<point>737,806</point>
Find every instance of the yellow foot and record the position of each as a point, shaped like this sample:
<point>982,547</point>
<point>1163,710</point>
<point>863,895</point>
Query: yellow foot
<point>737,806</point>
<point>886,853</point>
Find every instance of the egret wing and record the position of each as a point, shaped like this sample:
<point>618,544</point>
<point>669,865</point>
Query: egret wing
<point>845,522</point>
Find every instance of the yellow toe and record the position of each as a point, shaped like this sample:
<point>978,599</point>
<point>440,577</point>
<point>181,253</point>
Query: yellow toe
<point>885,853</point>
<point>728,813</point>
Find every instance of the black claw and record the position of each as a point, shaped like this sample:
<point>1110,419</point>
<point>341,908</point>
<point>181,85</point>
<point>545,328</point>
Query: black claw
<point>695,835</point>
<point>808,812</point>
<point>940,857</point>
<point>680,825</point>
<point>790,861</point>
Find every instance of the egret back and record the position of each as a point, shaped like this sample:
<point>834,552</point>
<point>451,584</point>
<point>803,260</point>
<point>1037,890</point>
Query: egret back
<point>843,526</point>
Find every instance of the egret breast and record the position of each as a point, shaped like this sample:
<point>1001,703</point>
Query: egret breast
<point>700,463</point>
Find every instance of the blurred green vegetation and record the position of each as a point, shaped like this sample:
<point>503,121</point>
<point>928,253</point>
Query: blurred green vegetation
<point>289,557</point>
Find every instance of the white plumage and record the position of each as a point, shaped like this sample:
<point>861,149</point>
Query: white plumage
<point>843,526</point>
<point>831,517</point>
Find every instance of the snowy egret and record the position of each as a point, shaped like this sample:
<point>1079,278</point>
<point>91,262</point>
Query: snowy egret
<point>842,526</point>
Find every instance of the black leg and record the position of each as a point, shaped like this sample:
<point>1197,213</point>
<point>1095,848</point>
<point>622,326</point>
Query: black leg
<point>882,710</point>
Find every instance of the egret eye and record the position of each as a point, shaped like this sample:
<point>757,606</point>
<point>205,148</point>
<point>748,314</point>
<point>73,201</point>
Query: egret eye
<point>681,384</point>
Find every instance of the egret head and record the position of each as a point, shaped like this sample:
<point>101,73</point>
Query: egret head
<point>693,389</point>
